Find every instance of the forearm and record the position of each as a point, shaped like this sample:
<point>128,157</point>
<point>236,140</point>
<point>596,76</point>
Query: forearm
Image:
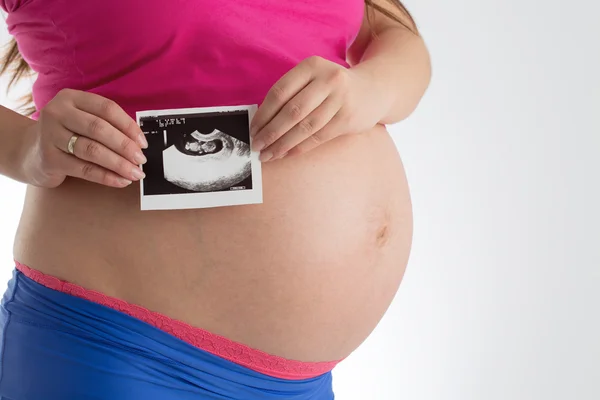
<point>12,127</point>
<point>398,65</point>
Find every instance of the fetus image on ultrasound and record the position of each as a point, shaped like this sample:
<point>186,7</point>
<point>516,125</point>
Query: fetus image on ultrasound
<point>197,153</point>
<point>207,162</point>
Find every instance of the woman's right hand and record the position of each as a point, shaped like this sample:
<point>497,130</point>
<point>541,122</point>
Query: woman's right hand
<point>107,149</point>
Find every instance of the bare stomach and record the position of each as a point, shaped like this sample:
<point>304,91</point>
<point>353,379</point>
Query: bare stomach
<point>306,275</point>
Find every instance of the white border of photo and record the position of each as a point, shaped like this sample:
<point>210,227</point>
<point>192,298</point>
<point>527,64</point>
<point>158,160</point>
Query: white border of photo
<point>205,199</point>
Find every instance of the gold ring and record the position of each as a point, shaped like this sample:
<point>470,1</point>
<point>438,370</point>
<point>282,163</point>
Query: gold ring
<point>71,145</point>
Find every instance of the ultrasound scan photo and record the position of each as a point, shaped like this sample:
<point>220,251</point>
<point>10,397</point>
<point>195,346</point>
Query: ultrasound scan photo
<point>199,158</point>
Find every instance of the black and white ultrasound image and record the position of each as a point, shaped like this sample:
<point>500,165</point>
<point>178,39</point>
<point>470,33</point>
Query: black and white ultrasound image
<point>195,153</point>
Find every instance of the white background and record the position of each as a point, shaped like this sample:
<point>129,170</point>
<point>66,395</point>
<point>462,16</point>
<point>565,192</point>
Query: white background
<point>501,297</point>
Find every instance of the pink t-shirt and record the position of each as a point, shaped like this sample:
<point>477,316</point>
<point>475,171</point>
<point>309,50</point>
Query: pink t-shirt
<point>176,53</point>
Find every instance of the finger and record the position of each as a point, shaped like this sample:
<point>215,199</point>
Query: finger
<point>92,172</point>
<point>282,91</point>
<point>310,125</point>
<point>89,150</point>
<point>111,112</point>
<point>330,131</point>
<point>99,130</point>
<point>293,112</point>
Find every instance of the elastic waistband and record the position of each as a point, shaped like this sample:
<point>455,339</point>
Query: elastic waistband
<point>220,346</point>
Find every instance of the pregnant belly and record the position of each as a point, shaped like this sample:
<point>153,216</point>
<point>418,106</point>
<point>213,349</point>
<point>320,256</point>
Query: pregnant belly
<point>306,275</point>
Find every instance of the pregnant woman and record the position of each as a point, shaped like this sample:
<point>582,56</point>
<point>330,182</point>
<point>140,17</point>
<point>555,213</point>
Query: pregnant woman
<point>246,302</point>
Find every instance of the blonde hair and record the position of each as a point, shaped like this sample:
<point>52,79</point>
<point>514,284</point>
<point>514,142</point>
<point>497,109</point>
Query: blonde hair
<point>13,62</point>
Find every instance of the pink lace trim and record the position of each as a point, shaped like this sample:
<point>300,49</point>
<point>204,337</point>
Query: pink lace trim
<point>220,346</point>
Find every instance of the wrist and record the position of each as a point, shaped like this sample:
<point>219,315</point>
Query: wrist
<point>379,97</point>
<point>17,151</point>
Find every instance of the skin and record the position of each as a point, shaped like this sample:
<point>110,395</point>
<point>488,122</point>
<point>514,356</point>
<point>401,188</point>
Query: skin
<point>307,275</point>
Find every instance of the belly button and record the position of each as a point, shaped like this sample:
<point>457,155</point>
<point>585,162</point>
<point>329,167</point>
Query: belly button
<point>383,235</point>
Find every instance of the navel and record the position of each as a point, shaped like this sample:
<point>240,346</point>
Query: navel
<point>383,235</point>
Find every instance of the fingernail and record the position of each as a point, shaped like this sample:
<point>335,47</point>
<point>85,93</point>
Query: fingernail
<point>137,173</point>
<point>265,156</point>
<point>140,158</point>
<point>258,145</point>
<point>252,130</point>
<point>124,182</point>
<point>142,140</point>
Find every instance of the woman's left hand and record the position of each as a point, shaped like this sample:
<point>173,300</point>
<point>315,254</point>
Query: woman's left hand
<point>313,103</point>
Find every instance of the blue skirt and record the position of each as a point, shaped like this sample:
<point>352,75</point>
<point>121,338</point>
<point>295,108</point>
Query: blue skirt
<point>57,346</point>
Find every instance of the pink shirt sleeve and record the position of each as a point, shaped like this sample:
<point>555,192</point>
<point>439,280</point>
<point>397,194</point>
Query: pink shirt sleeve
<point>12,5</point>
